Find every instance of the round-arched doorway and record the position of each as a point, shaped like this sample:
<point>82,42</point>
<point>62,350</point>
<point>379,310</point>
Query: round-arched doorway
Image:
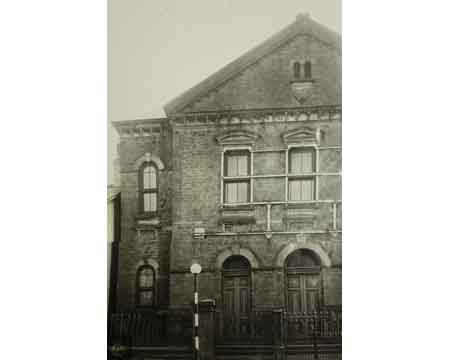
<point>236,285</point>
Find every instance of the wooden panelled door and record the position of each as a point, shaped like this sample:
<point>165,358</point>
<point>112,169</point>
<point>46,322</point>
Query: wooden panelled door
<point>236,298</point>
<point>303,282</point>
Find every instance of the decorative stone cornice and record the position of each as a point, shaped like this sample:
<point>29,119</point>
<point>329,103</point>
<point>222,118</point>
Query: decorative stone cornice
<point>223,118</point>
<point>309,114</point>
<point>139,128</point>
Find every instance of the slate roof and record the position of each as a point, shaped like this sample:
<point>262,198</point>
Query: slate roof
<point>303,25</point>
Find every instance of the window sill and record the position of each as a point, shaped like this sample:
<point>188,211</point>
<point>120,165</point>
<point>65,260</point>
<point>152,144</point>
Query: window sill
<point>307,204</point>
<point>147,220</point>
<point>246,206</point>
<point>146,216</point>
<point>297,81</point>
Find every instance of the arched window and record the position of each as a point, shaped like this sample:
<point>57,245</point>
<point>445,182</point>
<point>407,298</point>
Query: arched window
<point>236,297</point>
<point>296,70</point>
<point>148,176</point>
<point>145,286</point>
<point>307,70</point>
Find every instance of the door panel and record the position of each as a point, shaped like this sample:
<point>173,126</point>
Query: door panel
<point>303,292</point>
<point>228,311</point>
<point>236,305</point>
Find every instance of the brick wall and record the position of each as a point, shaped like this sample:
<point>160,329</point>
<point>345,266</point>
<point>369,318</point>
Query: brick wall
<point>191,185</point>
<point>263,85</point>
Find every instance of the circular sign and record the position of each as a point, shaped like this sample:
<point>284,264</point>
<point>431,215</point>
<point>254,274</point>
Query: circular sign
<point>196,268</point>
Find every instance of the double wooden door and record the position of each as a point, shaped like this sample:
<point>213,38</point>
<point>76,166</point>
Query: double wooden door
<point>236,305</point>
<point>303,292</point>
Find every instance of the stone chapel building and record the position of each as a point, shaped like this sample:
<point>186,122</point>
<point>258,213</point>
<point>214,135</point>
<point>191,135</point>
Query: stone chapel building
<point>243,176</point>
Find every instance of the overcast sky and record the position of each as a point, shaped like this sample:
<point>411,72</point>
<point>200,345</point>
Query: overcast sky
<point>160,48</point>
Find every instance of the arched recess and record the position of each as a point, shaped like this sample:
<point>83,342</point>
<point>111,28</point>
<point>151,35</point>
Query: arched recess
<point>149,157</point>
<point>316,248</point>
<point>253,260</point>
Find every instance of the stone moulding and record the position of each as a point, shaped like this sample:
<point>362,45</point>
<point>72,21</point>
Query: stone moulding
<point>303,244</point>
<point>153,127</point>
<point>248,254</point>
<point>237,137</point>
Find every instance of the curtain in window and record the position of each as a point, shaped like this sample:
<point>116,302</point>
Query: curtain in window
<point>236,192</point>
<point>237,165</point>
<point>150,202</point>
<point>302,162</point>
<point>301,189</point>
<point>149,177</point>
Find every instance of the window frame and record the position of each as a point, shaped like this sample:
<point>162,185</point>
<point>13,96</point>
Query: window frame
<point>143,191</point>
<point>302,176</point>
<point>296,70</point>
<point>140,289</point>
<point>307,70</point>
<point>237,179</point>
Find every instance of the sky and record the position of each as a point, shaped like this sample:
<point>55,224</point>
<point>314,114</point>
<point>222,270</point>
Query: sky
<point>157,49</point>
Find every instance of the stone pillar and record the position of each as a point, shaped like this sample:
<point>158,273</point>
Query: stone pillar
<point>206,329</point>
<point>279,344</point>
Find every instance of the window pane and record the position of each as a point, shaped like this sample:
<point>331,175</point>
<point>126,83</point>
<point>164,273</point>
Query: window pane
<point>307,70</point>
<point>146,298</point>
<point>237,192</point>
<point>307,189</point>
<point>146,202</point>
<point>242,192</point>
<point>296,70</point>
<point>302,189</point>
<point>242,165</point>
<point>150,202</point>
<point>146,277</point>
<point>301,162</point>
<point>307,162</point>
<point>296,163</point>
<point>230,192</point>
<point>237,165</point>
<point>232,166</point>
<point>153,202</point>
<point>294,190</point>
<point>149,181</point>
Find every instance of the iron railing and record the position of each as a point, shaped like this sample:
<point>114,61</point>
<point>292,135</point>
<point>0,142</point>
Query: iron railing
<point>264,327</point>
<point>151,328</point>
<point>323,324</point>
<point>257,328</point>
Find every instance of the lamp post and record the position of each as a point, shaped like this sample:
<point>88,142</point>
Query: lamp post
<point>195,270</point>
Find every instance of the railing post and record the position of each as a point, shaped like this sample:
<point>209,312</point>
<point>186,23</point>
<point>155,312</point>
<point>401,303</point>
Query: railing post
<point>279,347</point>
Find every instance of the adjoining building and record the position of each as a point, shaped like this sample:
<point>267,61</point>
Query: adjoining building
<point>113,245</point>
<point>243,176</point>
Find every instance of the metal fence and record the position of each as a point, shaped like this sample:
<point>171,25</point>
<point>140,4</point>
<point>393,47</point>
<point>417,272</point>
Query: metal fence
<point>151,328</point>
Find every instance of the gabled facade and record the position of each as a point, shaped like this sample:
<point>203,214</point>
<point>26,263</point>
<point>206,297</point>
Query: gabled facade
<point>244,177</point>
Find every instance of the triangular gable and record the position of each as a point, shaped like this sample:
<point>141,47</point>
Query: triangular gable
<point>303,25</point>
